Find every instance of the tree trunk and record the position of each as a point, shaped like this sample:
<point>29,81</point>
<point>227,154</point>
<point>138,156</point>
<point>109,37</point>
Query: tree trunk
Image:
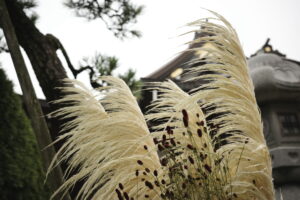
<point>31,102</point>
<point>41,51</point>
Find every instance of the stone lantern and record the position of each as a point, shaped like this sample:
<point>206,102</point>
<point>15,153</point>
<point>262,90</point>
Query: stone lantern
<point>277,88</point>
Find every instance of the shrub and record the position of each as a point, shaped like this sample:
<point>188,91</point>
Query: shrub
<point>21,174</point>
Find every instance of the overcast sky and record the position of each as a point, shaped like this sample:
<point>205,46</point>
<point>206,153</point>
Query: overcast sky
<point>254,21</point>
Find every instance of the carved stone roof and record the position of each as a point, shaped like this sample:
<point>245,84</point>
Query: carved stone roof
<point>274,76</point>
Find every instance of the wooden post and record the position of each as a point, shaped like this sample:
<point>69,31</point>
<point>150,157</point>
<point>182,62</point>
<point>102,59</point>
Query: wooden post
<point>33,107</point>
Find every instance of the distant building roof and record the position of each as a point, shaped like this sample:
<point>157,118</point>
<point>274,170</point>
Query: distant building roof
<point>274,76</point>
<point>179,61</point>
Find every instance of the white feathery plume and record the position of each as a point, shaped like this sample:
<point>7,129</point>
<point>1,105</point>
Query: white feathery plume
<point>106,140</point>
<point>206,144</point>
<point>232,93</point>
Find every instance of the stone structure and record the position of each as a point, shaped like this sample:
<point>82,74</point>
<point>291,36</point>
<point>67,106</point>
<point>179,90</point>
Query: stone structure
<point>277,88</point>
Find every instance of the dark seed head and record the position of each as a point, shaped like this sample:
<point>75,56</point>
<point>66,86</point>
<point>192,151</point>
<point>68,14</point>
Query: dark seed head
<point>184,113</point>
<point>190,147</point>
<point>169,130</point>
<point>218,161</point>
<point>199,132</point>
<point>120,196</point>
<point>155,172</point>
<point>160,147</point>
<point>201,156</point>
<point>170,194</point>
<point>201,123</point>
<point>207,167</point>
<point>149,185</point>
<point>185,118</point>
<point>173,142</point>
<point>186,195</point>
<point>126,195</point>
<point>166,145</point>
<point>164,138</point>
<point>215,148</point>
<point>147,170</point>
<point>145,147</point>
<point>121,186</point>
<point>164,162</point>
<point>140,162</point>
<point>191,160</point>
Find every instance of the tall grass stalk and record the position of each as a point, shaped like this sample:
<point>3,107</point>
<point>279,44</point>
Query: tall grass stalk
<point>206,144</point>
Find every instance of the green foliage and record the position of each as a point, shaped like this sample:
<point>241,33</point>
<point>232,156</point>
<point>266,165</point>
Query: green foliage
<point>102,65</point>
<point>21,175</point>
<point>116,14</point>
<point>3,45</point>
<point>134,84</point>
<point>28,6</point>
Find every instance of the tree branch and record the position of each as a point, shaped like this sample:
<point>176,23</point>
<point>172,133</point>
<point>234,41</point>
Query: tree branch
<point>116,14</point>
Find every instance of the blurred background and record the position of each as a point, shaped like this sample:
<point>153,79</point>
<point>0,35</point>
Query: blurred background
<point>139,41</point>
<point>160,24</point>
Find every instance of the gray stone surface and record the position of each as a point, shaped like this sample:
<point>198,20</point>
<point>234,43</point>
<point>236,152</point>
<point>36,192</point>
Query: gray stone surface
<point>288,192</point>
<point>285,156</point>
<point>277,89</point>
<point>274,77</point>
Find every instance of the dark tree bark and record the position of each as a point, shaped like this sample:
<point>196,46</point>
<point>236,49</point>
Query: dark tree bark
<point>41,51</point>
<point>31,103</point>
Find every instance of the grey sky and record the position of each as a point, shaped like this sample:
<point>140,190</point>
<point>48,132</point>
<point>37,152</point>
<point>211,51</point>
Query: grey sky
<point>254,21</point>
